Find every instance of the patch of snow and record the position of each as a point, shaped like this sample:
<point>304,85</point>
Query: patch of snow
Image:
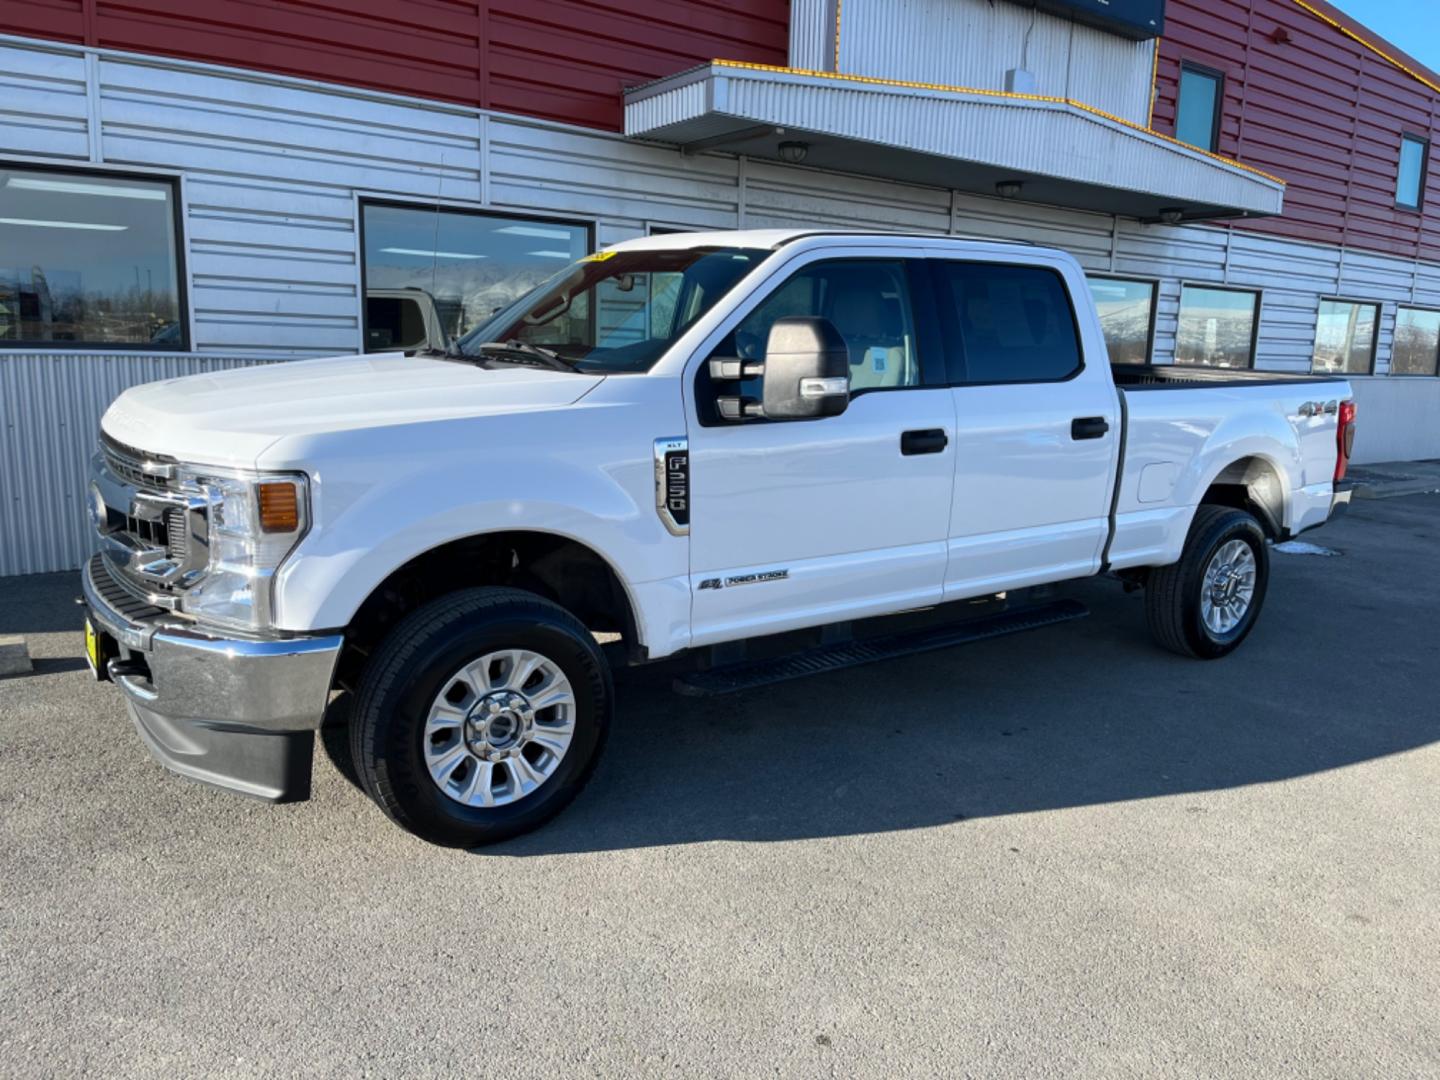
<point>1300,547</point>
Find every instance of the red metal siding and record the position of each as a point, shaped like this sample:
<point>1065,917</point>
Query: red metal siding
<point>570,59</point>
<point>1316,108</point>
<point>60,20</point>
<point>560,59</point>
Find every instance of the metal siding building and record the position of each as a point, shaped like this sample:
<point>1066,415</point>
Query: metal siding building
<point>277,121</point>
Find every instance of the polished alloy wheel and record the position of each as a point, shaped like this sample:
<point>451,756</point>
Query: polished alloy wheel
<point>499,728</point>
<point>1228,587</point>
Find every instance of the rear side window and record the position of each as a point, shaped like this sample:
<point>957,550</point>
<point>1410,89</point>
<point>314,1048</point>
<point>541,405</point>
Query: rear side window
<point>1016,323</point>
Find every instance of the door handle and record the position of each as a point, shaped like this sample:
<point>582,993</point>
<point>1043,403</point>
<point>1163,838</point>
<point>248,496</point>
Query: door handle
<point>928,441</point>
<point>1089,427</point>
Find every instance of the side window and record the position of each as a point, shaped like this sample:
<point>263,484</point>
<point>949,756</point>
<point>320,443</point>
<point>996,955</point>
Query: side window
<point>1016,323</point>
<point>394,322</point>
<point>868,300</point>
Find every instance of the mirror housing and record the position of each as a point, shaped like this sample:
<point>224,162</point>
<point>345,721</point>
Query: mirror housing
<point>807,370</point>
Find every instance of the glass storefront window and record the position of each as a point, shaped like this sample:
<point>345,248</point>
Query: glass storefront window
<point>88,259</point>
<point>1416,350</point>
<point>1345,337</point>
<point>432,275</point>
<point>1127,317</point>
<point>1217,326</point>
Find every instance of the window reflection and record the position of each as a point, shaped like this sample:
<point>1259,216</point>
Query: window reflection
<point>1410,180</point>
<point>1127,311</point>
<point>434,275</point>
<point>87,258</point>
<point>1216,327</point>
<point>1417,342</point>
<point>1345,337</point>
<point>1197,112</point>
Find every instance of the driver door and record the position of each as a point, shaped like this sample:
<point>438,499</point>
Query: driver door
<point>803,522</point>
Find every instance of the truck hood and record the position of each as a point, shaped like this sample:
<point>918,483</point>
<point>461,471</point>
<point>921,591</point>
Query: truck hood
<point>230,417</point>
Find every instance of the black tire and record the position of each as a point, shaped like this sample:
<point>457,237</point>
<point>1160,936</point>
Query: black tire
<point>1173,593</point>
<point>406,674</point>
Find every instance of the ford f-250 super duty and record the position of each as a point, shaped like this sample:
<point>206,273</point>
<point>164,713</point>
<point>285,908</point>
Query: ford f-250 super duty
<point>684,441</point>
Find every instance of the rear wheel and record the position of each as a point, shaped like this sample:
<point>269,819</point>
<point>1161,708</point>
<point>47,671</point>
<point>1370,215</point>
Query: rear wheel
<point>1207,603</point>
<point>481,717</point>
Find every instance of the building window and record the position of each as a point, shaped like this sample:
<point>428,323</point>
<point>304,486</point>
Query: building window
<point>432,274</point>
<point>88,260</point>
<point>1217,326</point>
<point>1197,111</point>
<point>1410,183</point>
<point>1345,337</point>
<point>1416,350</point>
<point>1127,317</point>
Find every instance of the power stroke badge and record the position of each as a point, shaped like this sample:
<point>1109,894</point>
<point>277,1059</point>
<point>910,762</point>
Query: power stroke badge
<point>743,579</point>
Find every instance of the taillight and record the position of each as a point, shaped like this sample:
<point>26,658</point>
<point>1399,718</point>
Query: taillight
<point>1344,438</point>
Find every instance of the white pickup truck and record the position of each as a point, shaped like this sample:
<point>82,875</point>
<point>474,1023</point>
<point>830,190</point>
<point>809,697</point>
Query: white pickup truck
<point>680,444</point>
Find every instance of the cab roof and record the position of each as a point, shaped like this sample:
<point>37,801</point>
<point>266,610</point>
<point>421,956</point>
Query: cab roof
<point>777,238</point>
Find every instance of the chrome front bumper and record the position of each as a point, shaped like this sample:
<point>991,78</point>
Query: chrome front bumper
<point>236,712</point>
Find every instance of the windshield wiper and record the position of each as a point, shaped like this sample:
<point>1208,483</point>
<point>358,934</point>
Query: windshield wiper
<point>534,354</point>
<point>451,351</point>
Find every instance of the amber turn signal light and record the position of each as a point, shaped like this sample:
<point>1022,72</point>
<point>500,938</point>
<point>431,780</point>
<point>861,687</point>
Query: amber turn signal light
<point>279,507</point>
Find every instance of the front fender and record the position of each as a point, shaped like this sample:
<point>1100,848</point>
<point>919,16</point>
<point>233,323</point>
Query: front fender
<point>382,500</point>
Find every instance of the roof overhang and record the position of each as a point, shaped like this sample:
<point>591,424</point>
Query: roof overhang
<point>1062,152</point>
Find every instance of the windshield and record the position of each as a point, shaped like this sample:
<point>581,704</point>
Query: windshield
<point>616,311</point>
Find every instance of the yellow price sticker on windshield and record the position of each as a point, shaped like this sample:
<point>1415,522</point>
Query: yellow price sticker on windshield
<point>599,256</point>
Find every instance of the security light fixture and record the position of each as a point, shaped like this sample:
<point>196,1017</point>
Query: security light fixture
<point>1008,189</point>
<point>1172,215</point>
<point>793,152</point>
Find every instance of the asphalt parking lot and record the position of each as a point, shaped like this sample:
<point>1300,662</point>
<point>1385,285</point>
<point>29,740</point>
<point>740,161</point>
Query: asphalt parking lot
<point>1055,854</point>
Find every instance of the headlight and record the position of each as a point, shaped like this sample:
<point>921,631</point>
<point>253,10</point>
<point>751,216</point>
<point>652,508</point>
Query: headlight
<point>255,521</point>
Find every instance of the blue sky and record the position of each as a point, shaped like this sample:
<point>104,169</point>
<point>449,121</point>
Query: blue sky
<point>1412,25</point>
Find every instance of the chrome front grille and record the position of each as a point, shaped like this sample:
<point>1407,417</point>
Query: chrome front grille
<point>177,534</point>
<point>155,471</point>
<point>154,531</point>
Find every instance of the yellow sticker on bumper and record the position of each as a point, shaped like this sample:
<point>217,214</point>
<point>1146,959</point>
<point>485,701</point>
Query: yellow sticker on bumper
<point>92,646</point>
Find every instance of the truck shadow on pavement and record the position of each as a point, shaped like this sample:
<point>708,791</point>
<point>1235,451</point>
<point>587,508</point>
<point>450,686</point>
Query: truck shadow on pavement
<point>1339,671</point>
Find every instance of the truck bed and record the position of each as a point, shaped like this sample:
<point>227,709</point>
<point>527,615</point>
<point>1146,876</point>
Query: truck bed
<point>1178,377</point>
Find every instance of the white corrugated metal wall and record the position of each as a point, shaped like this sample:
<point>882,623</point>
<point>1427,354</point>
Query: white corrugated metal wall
<point>975,42</point>
<point>272,173</point>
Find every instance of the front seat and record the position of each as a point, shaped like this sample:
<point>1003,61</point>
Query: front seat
<point>874,332</point>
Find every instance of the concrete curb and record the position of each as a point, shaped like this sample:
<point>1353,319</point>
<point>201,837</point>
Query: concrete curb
<point>1394,488</point>
<point>1391,479</point>
<point>14,656</point>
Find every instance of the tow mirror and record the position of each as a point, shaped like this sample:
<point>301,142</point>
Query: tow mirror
<point>807,370</point>
<point>805,373</point>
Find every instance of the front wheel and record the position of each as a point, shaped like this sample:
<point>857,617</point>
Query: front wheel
<point>1207,603</point>
<point>481,717</point>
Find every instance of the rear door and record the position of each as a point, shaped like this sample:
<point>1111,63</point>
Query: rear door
<point>1037,427</point>
<point>800,522</point>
